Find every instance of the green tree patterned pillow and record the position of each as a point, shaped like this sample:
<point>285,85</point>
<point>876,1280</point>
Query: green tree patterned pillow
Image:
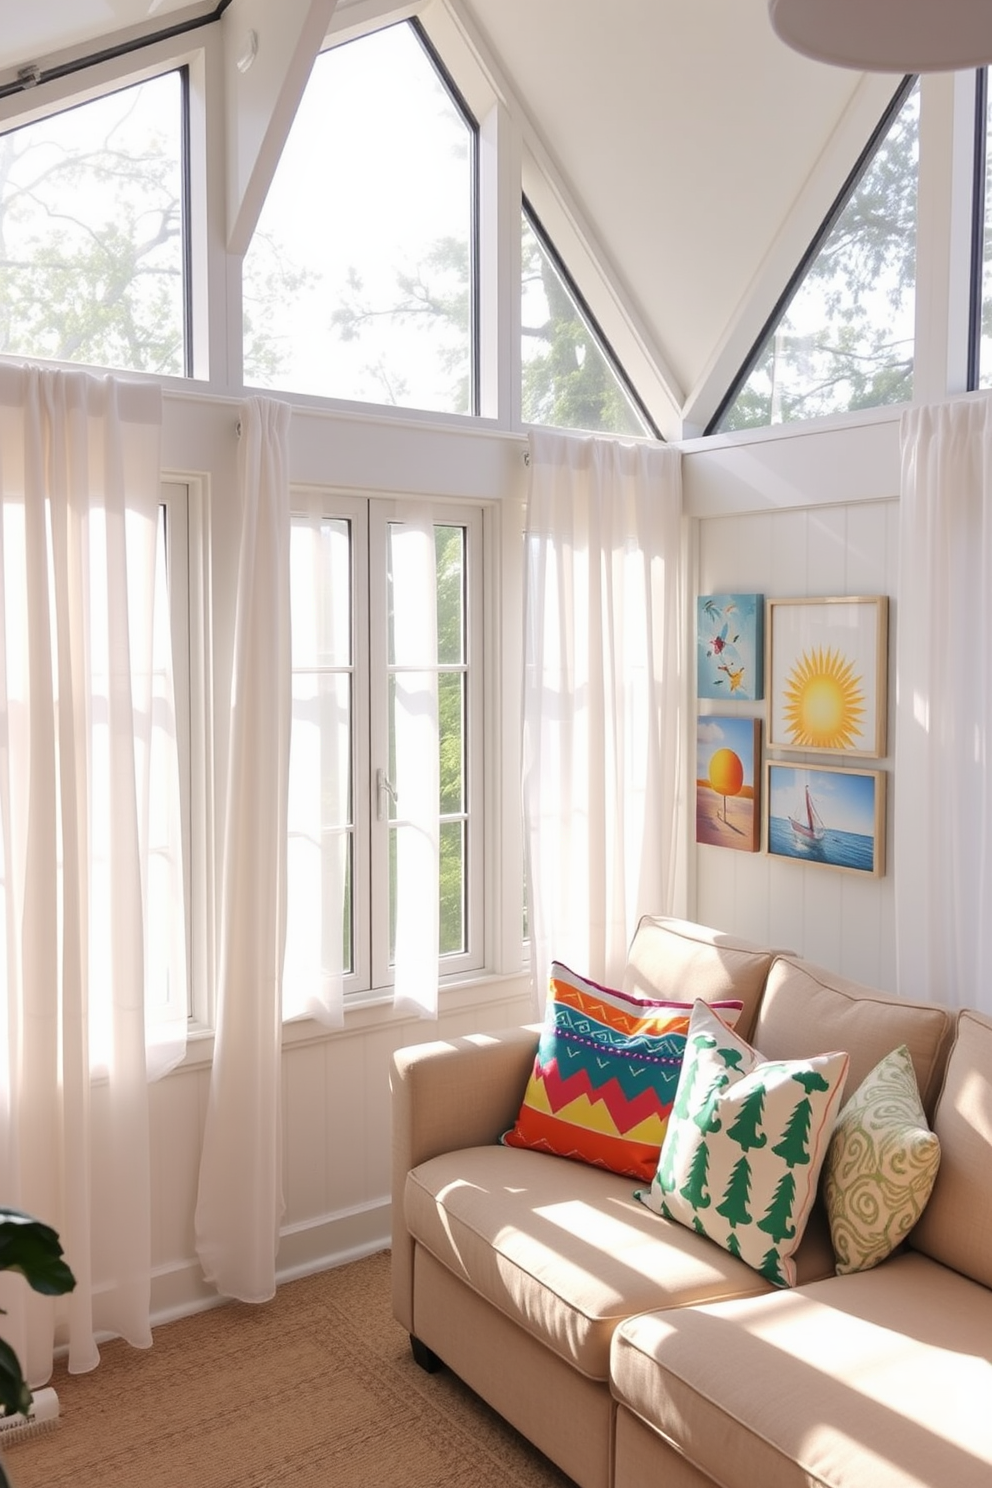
<point>745,1143</point>
<point>881,1165</point>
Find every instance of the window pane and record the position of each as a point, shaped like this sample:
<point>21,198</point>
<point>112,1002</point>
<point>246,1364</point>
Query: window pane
<point>92,232</point>
<point>568,381</point>
<point>450,541</point>
<point>846,339</point>
<point>358,280</point>
<point>452,869</point>
<point>450,594</point>
<point>451,722</point>
<point>453,881</point>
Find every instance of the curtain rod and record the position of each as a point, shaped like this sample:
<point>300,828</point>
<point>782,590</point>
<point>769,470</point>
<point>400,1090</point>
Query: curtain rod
<point>524,454</point>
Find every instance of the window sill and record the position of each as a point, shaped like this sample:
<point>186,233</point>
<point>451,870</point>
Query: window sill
<point>374,1010</point>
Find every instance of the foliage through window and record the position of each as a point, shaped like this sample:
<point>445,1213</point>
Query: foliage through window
<point>91,232</point>
<point>450,542</point>
<point>845,339</point>
<point>569,380</point>
<point>359,280</point>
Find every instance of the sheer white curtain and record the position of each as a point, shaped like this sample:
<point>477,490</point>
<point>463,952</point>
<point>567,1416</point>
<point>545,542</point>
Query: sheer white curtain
<point>943,769</point>
<point>414,747</point>
<point>603,711</point>
<point>239,1201</point>
<point>91,934</point>
<point>320,787</point>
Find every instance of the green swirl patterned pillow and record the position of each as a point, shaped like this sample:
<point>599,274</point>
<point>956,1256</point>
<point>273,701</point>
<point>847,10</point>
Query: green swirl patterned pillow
<point>881,1165</point>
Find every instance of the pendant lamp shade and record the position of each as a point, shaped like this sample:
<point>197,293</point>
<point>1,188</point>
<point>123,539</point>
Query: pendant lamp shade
<point>888,35</point>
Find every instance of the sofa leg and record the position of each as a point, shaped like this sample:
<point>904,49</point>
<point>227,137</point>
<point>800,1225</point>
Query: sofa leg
<point>425,1357</point>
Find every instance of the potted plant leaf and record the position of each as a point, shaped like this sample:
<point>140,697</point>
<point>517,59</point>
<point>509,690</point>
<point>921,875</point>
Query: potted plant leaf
<point>33,1249</point>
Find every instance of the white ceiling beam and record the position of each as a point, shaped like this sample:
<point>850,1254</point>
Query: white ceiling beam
<point>262,97</point>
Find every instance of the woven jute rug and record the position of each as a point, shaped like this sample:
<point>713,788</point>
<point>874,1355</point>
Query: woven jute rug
<point>315,1389</point>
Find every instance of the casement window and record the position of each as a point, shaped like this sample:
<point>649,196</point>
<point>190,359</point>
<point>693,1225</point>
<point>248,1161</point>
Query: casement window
<point>842,334</point>
<point>351,750</point>
<point>93,232</point>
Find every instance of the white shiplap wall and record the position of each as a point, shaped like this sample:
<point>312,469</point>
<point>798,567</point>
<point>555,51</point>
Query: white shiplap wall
<point>805,540</point>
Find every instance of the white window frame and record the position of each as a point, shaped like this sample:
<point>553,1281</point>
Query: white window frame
<point>369,518</point>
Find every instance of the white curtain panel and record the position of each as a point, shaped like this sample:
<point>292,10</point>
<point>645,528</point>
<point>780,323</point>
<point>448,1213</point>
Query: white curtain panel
<point>320,764</point>
<point>413,569</point>
<point>943,771</point>
<point>88,802</point>
<point>239,1201</point>
<point>603,711</point>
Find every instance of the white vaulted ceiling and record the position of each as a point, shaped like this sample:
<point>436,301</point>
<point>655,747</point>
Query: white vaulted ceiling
<point>698,151</point>
<point>702,151</point>
<point>36,30</point>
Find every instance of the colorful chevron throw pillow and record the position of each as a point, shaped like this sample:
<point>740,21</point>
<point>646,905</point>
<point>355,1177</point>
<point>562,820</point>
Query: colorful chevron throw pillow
<point>605,1074</point>
<point>745,1143</point>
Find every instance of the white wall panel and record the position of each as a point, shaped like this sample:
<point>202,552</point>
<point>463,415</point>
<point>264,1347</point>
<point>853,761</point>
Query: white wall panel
<point>336,1141</point>
<point>307,1132</point>
<point>805,540</point>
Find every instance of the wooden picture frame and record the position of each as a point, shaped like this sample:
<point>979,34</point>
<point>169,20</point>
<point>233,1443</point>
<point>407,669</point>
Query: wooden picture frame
<point>826,815</point>
<point>728,782</point>
<point>827,675</point>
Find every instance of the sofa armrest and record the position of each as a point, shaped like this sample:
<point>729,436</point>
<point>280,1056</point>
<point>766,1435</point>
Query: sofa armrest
<point>446,1095</point>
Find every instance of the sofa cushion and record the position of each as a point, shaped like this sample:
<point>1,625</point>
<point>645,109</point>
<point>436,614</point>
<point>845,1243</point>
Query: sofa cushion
<point>604,1075</point>
<point>681,961</point>
<point>881,1165</point>
<point>956,1226</point>
<point>745,1143</point>
<point>873,1378</point>
<point>566,1251</point>
<point>806,1010</point>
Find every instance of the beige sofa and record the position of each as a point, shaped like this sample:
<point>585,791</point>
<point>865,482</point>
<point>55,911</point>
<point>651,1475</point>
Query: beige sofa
<point>633,1351</point>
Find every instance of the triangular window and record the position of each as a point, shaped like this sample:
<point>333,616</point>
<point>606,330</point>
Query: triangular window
<point>841,337</point>
<point>570,378</point>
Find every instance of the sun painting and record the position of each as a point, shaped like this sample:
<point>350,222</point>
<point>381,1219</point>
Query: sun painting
<point>824,701</point>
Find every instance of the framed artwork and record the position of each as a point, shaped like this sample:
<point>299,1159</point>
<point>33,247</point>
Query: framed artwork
<point>728,777</point>
<point>827,675</point>
<point>827,815</point>
<point>730,647</point>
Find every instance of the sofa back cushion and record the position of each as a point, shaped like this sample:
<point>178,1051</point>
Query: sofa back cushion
<point>806,1010</point>
<point>678,961</point>
<point>956,1226</point>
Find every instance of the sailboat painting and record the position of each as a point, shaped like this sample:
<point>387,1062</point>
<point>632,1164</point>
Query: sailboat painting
<point>807,824</point>
<point>828,816</point>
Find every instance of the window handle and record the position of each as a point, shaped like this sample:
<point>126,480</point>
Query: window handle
<point>383,787</point>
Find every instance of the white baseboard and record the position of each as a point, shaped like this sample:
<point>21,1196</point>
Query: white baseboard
<point>312,1245</point>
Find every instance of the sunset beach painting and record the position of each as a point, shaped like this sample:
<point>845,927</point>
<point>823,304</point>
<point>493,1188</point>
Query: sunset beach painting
<point>727,782</point>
